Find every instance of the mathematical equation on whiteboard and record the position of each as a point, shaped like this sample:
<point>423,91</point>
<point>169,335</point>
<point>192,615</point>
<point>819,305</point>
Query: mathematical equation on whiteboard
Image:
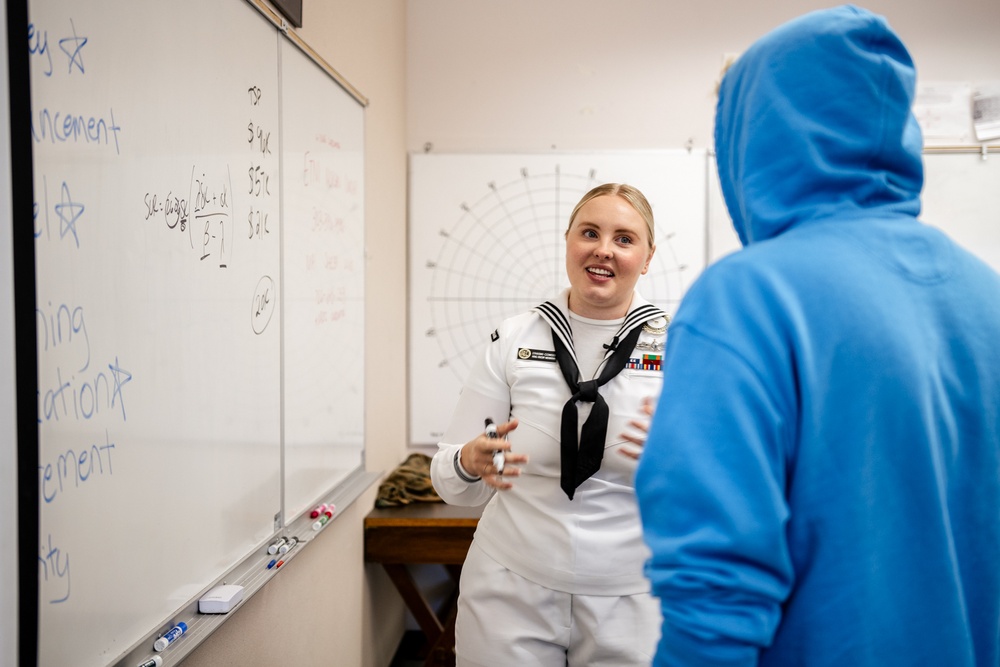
<point>207,204</point>
<point>83,379</point>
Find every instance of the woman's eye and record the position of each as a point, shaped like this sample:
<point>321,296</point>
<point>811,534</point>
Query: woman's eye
<point>624,240</point>
<point>590,233</point>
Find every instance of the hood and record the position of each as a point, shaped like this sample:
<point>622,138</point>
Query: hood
<point>814,120</point>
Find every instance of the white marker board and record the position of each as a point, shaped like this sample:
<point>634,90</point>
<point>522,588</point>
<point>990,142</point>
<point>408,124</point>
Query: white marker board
<point>961,196</point>
<point>487,242</point>
<point>323,264</point>
<point>159,183</point>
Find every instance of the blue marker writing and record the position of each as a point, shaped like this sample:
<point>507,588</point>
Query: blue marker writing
<point>170,636</point>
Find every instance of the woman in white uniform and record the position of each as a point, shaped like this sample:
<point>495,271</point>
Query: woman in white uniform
<point>555,572</point>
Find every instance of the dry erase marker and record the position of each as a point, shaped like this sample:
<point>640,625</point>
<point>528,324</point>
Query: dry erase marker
<point>155,661</point>
<point>329,510</point>
<point>280,563</point>
<point>491,433</point>
<point>320,522</point>
<point>288,545</point>
<point>319,509</point>
<point>170,636</point>
<point>271,564</point>
<point>273,549</point>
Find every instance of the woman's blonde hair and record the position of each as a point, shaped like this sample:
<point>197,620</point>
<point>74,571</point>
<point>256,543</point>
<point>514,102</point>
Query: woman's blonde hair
<point>632,195</point>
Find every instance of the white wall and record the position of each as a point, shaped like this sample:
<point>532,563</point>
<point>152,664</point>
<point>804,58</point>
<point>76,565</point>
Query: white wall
<point>531,75</point>
<point>8,424</point>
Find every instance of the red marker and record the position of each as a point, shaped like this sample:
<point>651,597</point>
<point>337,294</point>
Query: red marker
<point>280,563</point>
<point>329,510</point>
<point>319,509</point>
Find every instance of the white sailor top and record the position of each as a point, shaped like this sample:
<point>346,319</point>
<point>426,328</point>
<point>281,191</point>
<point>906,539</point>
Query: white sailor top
<point>592,544</point>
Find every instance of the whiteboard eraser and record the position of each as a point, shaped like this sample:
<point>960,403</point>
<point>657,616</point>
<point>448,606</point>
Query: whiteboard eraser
<point>221,599</point>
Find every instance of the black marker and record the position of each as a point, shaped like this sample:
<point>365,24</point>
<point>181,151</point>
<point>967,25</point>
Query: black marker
<point>498,458</point>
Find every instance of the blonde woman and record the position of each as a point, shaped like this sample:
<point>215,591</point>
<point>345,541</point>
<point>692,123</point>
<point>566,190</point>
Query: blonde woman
<point>554,575</point>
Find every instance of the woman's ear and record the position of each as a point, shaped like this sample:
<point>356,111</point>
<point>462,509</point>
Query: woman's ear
<point>649,258</point>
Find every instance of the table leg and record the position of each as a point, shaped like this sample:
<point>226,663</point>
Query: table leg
<point>428,621</point>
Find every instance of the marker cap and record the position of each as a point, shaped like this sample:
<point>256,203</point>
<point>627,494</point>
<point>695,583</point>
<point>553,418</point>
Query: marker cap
<point>170,635</point>
<point>273,549</point>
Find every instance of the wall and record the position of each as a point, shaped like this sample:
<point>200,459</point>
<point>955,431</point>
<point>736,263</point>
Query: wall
<point>322,610</point>
<point>8,430</point>
<point>522,75</point>
<point>517,75</point>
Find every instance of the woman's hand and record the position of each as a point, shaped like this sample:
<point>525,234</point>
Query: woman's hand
<point>477,457</point>
<point>648,408</point>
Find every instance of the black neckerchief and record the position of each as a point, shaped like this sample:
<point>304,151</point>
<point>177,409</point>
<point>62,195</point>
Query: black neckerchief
<point>579,463</point>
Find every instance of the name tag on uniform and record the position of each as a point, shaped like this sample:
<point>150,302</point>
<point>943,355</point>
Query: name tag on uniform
<point>528,354</point>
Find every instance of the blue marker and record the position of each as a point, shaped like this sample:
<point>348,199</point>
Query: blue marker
<point>170,636</point>
<point>271,564</point>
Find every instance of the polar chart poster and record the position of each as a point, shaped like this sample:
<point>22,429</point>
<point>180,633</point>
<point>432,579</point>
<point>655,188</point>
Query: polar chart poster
<point>486,242</point>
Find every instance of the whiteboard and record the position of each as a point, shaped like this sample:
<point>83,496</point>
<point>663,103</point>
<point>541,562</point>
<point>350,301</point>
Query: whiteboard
<point>487,242</point>
<point>322,151</point>
<point>158,365</point>
<point>961,196</point>
<point>722,238</point>
<point>166,357</point>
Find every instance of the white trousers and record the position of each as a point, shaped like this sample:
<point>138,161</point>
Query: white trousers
<point>505,619</point>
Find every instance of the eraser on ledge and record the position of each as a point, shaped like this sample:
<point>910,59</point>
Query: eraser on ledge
<point>221,599</point>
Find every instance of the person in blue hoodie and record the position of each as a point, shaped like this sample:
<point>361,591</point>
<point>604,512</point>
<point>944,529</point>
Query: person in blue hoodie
<point>821,480</point>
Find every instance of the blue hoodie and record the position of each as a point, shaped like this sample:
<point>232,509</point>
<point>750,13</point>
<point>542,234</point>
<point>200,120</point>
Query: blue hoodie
<point>821,480</point>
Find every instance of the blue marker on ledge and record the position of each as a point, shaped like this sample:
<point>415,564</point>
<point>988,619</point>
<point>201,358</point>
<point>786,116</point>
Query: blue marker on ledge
<point>170,636</point>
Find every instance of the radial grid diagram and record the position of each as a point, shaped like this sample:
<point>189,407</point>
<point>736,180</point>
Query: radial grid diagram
<point>501,251</point>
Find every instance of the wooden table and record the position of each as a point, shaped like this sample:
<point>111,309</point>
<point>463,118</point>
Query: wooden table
<point>423,533</point>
